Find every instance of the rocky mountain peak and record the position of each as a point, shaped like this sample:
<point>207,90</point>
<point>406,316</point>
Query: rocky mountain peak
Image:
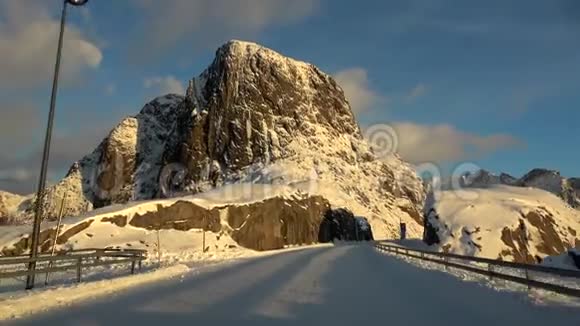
<point>248,78</point>
<point>537,173</point>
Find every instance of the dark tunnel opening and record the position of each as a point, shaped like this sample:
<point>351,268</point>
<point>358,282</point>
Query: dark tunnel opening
<point>341,225</point>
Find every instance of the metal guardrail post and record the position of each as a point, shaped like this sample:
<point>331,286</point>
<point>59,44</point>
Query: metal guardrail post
<point>133,267</point>
<point>79,264</point>
<point>528,279</point>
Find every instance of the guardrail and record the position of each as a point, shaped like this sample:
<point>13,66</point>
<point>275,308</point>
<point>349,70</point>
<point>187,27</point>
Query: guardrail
<point>16,266</point>
<point>445,259</point>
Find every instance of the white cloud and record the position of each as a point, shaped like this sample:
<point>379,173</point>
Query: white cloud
<point>28,41</point>
<point>356,86</point>
<point>170,22</point>
<point>416,92</point>
<point>444,143</point>
<point>165,85</point>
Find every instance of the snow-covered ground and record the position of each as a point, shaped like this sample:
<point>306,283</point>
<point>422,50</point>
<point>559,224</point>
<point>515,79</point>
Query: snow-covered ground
<point>340,285</point>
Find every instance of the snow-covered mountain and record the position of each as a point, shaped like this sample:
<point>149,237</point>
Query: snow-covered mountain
<point>502,222</point>
<point>549,180</point>
<point>253,116</point>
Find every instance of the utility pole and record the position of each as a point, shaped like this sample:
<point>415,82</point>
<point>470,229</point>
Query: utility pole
<point>38,212</point>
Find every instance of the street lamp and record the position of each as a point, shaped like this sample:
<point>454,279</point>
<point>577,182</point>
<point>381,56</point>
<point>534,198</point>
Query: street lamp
<point>44,166</point>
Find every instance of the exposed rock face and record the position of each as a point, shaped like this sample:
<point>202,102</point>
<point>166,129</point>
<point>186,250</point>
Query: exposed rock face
<point>277,222</point>
<point>549,180</point>
<point>508,223</point>
<point>180,216</point>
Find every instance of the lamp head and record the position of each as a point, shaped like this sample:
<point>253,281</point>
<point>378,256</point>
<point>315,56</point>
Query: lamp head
<point>77,2</point>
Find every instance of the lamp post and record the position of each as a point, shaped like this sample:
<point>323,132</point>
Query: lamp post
<point>44,166</point>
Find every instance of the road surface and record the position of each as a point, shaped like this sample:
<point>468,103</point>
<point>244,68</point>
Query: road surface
<point>340,285</point>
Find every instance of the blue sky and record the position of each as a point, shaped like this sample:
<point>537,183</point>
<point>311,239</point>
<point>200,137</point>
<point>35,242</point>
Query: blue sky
<point>496,83</point>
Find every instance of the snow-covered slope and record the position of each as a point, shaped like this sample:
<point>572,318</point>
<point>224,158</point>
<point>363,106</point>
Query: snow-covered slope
<point>549,180</point>
<point>11,206</point>
<point>253,116</point>
<point>503,222</point>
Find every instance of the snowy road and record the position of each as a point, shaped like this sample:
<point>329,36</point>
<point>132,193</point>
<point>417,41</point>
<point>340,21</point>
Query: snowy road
<point>324,286</point>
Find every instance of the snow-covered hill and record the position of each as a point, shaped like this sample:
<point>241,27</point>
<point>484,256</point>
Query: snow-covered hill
<point>253,116</point>
<point>502,222</point>
<point>549,180</point>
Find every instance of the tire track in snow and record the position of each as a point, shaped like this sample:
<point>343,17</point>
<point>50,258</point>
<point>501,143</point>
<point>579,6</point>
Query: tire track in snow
<point>218,289</point>
<point>306,287</point>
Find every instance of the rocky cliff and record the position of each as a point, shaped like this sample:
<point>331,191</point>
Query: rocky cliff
<point>253,116</point>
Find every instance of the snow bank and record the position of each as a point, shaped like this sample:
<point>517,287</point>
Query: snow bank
<point>25,303</point>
